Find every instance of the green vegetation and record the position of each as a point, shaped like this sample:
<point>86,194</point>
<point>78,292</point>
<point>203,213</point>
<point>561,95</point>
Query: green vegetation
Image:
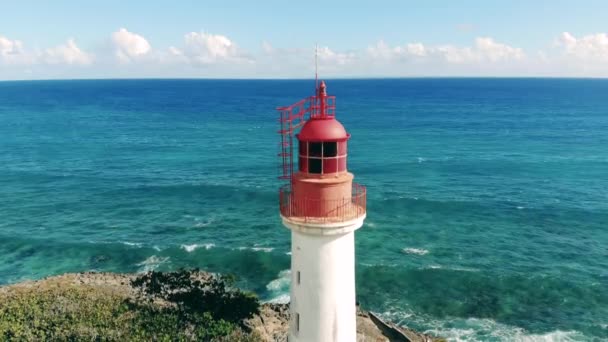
<point>174,306</point>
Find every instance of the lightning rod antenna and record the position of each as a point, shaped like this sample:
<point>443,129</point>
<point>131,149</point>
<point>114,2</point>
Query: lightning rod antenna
<point>316,68</point>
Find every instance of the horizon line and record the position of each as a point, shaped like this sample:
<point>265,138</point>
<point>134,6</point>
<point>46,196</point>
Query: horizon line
<point>299,78</point>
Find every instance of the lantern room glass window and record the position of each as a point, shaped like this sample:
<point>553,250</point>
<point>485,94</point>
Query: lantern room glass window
<point>315,149</point>
<point>315,165</point>
<point>322,157</point>
<point>330,149</point>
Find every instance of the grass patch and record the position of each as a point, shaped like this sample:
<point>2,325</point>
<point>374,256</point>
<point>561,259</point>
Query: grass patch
<point>173,306</point>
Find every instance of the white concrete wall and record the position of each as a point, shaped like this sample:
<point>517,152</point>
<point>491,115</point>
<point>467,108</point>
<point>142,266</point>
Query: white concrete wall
<point>325,297</point>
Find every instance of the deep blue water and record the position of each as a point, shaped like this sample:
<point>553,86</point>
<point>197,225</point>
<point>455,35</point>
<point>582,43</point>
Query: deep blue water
<point>487,198</point>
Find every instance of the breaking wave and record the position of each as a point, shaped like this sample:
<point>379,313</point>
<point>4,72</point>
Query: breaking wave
<point>478,330</point>
<point>133,244</point>
<point>192,248</point>
<point>152,263</point>
<point>278,289</point>
<point>415,251</point>
<point>256,249</point>
<point>282,299</point>
<point>449,268</point>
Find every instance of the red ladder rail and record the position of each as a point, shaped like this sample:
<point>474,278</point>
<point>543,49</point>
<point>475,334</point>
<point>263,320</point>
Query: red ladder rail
<point>291,118</point>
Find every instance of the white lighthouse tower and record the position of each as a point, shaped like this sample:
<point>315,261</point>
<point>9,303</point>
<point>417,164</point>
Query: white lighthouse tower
<point>322,207</point>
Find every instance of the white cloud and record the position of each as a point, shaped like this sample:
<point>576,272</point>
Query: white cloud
<point>9,47</point>
<point>416,49</point>
<point>493,51</point>
<point>330,58</point>
<point>204,54</point>
<point>12,52</point>
<point>381,51</point>
<point>205,48</point>
<point>592,47</point>
<point>175,51</point>
<point>129,46</point>
<point>300,62</point>
<point>484,50</point>
<point>68,53</point>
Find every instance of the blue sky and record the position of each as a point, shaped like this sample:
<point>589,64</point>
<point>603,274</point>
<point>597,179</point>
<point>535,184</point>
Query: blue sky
<point>268,39</point>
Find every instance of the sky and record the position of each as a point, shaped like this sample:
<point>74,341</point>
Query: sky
<point>68,39</point>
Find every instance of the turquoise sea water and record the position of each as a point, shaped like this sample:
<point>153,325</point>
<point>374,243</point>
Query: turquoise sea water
<point>487,198</point>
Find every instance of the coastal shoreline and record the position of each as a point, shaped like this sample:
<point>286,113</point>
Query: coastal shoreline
<point>270,323</point>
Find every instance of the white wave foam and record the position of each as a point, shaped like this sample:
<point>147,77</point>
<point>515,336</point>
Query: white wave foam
<point>192,248</point>
<point>474,329</point>
<point>416,251</point>
<point>370,224</point>
<point>395,315</point>
<point>520,208</point>
<point>263,249</point>
<point>511,335</point>
<point>257,249</point>
<point>134,244</point>
<point>282,299</point>
<point>200,222</point>
<point>152,263</point>
<point>440,267</point>
<point>281,283</point>
<point>189,248</point>
<point>379,265</point>
<point>279,288</point>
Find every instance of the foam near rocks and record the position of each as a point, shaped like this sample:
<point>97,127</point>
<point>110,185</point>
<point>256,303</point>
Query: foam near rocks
<point>152,263</point>
<point>479,330</point>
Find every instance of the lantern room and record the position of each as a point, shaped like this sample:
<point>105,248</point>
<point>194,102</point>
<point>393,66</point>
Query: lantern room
<point>322,140</point>
<point>322,147</point>
<point>322,189</point>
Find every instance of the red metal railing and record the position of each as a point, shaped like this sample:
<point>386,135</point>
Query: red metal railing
<point>322,211</point>
<point>310,107</point>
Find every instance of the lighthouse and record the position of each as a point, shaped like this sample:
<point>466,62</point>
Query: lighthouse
<point>322,207</point>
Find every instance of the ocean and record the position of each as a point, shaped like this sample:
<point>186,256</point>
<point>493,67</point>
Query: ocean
<point>487,198</point>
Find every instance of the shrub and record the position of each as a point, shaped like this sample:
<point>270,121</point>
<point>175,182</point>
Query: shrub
<point>195,293</point>
<point>62,311</point>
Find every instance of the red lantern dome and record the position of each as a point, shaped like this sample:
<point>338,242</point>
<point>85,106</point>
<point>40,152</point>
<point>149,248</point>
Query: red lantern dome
<point>323,129</point>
